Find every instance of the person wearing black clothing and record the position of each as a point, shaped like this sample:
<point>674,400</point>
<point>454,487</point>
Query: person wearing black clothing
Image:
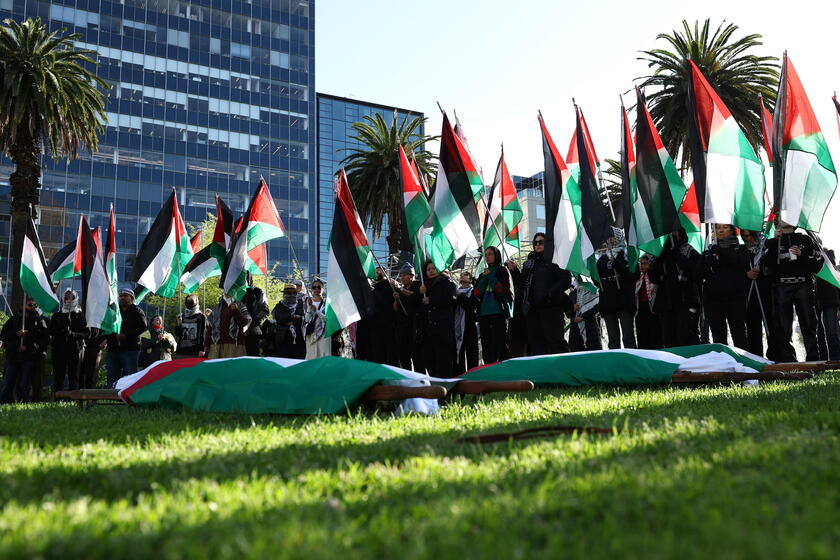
<point>617,296</point>
<point>257,304</point>
<point>25,340</point>
<point>124,348</point>
<point>68,331</point>
<point>758,296</point>
<point>676,273</point>
<point>466,332</point>
<point>585,328</point>
<point>648,335</point>
<point>791,260</point>
<point>827,298</point>
<point>438,322</point>
<point>91,359</point>
<point>381,324</point>
<point>494,295</point>
<point>518,329</point>
<point>190,329</point>
<point>406,302</point>
<point>543,301</point>
<point>287,331</point>
<point>725,286</point>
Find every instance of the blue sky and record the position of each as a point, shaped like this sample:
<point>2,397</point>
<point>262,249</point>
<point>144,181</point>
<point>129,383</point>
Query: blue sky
<point>498,62</point>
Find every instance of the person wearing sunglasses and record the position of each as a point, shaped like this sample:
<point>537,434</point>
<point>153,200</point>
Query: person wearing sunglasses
<point>544,301</point>
<point>25,339</point>
<point>315,322</point>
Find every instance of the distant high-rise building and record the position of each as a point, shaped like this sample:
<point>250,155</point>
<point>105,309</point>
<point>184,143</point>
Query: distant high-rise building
<point>207,96</point>
<point>336,116</point>
<point>531,194</point>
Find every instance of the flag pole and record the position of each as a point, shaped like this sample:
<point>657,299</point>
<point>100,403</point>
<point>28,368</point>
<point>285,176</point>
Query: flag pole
<point>23,320</point>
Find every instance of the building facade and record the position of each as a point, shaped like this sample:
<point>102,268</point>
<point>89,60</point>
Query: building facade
<point>206,97</point>
<point>336,116</point>
<point>531,194</point>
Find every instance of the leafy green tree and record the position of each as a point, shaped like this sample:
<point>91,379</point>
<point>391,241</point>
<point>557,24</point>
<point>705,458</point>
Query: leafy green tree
<point>730,66</point>
<point>612,179</point>
<point>49,98</point>
<point>374,170</point>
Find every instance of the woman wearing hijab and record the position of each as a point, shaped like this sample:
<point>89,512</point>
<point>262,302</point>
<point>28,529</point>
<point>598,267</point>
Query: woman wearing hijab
<point>494,292</point>
<point>315,323</point>
<point>438,323</point>
<point>190,329</point>
<point>156,344</point>
<point>286,332</point>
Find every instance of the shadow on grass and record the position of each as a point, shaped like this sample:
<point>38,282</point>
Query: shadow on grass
<point>756,413</point>
<point>590,510</point>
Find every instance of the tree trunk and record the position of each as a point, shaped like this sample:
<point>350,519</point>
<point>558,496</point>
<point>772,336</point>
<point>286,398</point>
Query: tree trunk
<point>25,187</point>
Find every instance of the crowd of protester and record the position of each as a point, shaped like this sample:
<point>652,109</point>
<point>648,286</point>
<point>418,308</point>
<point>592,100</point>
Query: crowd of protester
<point>740,289</point>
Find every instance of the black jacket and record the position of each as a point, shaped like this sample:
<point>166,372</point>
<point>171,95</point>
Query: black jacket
<point>288,330</point>
<point>190,333</point>
<point>254,299</point>
<point>725,273</point>
<point>404,316</point>
<point>677,273</point>
<point>617,286</point>
<point>68,331</point>
<point>777,258</point>
<point>36,339</point>
<point>133,325</point>
<point>439,313</point>
<point>545,283</point>
<point>383,301</point>
<point>827,295</point>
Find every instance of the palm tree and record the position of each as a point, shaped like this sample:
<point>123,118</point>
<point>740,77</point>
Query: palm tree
<point>49,101</point>
<point>374,171</point>
<point>736,75</point>
<point>612,179</point>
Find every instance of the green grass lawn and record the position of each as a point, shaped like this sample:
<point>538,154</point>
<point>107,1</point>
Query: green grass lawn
<point>722,472</point>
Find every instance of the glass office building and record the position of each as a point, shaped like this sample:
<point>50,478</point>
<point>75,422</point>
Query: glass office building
<point>336,116</point>
<point>207,96</point>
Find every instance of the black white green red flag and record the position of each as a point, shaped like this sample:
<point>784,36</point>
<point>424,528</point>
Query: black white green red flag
<point>663,204</point>
<point>416,209</point>
<point>98,299</point>
<point>208,261</point>
<point>728,175</point>
<point>61,264</point>
<point>165,252</point>
<point>351,265</point>
<point>261,224</point>
<point>34,278</point>
<point>455,217</point>
<point>503,213</point>
<point>804,176</point>
<point>629,192</point>
<point>562,209</point>
<point>112,319</point>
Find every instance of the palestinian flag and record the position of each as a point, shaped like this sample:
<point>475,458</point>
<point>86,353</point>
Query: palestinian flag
<point>804,177</point>
<point>61,265</point>
<point>350,297</point>
<point>629,192</point>
<point>97,239</point>
<point>195,241</point>
<point>416,208</point>
<point>766,128</point>
<point>663,204</point>
<point>164,254</point>
<point>112,320</point>
<point>101,311</point>
<point>594,217</point>
<point>456,221</point>
<point>728,176</point>
<point>562,209</point>
<point>34,278</point>
<point>327,385</point>
<point>480,205</point>
<point>503,213</point>
<point>262,224</point>
<point>208,261</point>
